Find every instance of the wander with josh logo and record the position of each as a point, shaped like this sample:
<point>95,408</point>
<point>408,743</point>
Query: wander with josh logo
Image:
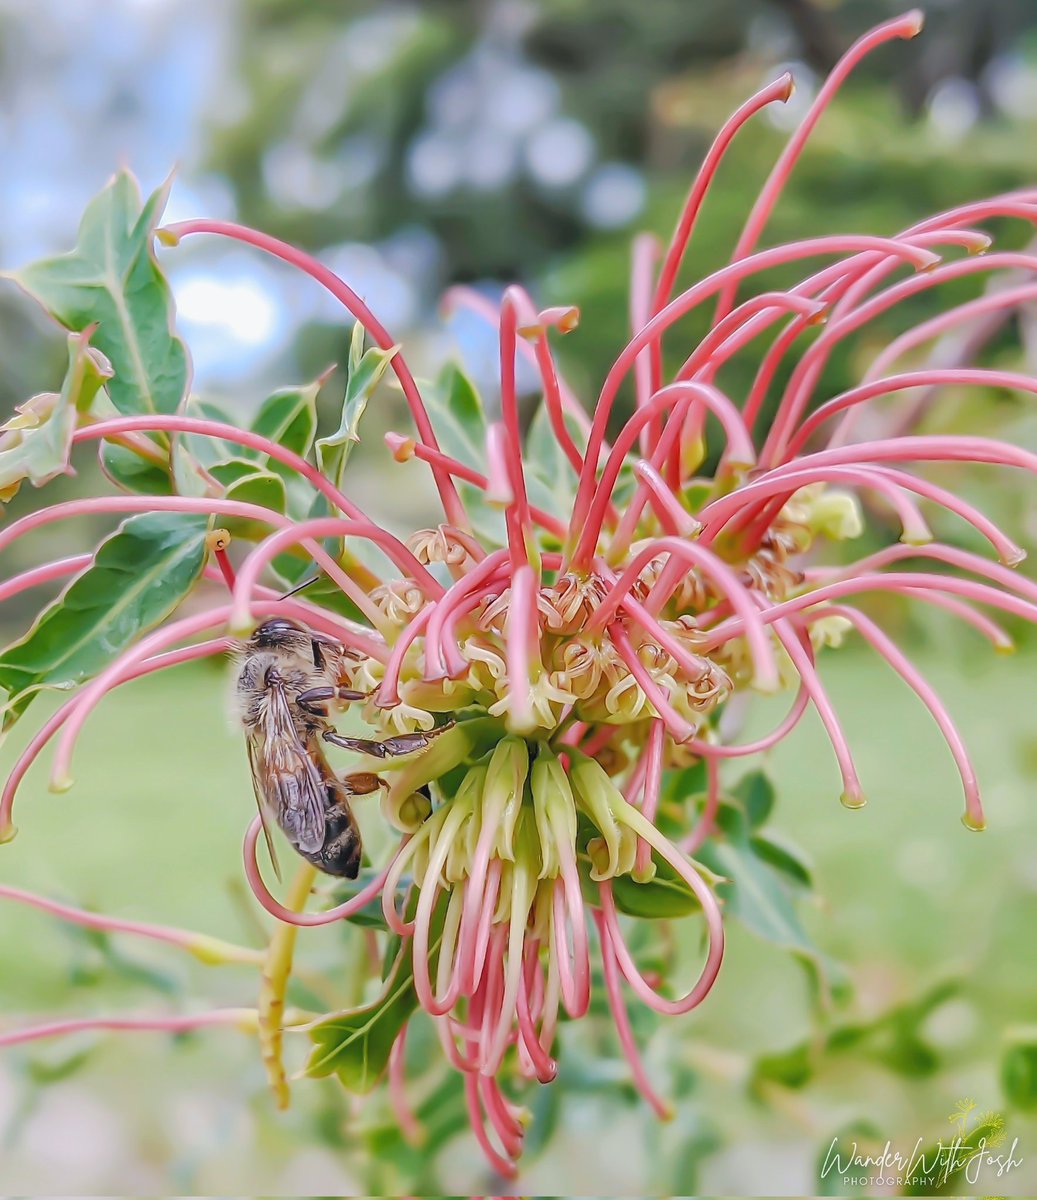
<point>978,1149</point>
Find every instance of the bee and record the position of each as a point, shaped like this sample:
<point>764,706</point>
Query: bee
<point>288,676</point>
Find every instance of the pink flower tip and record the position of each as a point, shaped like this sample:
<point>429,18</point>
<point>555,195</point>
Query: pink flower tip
<point>564,318</point>
<point>499,492</point>
<point>913,22</point>
<point>766,680</point>
<point>972,822</point>
<point>1014,557</point>
<point>8,832</point>
<point>917,538</point>
<point>167,237</point>
<point>926,260</point>
<point>789,80</point>
<point>853,800</point>
<point>60,784</point>
<point>402,447</point>
<point>241,623</point>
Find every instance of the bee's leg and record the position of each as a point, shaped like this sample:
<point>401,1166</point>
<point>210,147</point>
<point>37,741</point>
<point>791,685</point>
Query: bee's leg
<point>360,783</point>
<point>393,747</point>
<point>313,699</point>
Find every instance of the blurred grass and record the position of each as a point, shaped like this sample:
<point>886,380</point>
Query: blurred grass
<point>152,830</point>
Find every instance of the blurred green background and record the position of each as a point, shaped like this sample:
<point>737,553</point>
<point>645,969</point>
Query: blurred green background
<point>415,146</point>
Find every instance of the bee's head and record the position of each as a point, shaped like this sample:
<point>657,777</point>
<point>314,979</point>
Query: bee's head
<point>278,632</point>
<point>281,633</point>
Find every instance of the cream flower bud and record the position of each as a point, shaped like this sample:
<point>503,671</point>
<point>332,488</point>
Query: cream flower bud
<point>836,515</point>
<point>505,782</point>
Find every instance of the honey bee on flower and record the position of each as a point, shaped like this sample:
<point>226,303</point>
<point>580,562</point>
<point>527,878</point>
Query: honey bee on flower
<point>537,663</point>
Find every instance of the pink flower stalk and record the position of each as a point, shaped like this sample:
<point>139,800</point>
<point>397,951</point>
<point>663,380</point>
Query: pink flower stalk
<point>588,652</point>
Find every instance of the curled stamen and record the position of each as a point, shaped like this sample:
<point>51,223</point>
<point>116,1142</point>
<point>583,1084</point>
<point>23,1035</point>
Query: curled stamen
<point>203,946</point>
<point>543,1065</point>
<point>714,925</point>
<point>907,26</point>
<point>320,527</point>
<point>341,912</point>
<point>707,818</point>
<point>429,887</point>
<point>504,1166</point>
<point>57,719</point>
<point>242,1018</point>
<point>567,913</point>
<point>342,292</point>
<point>653,770</point>
<point>643,256</point>
<point>410,1127</point>
<point>674,519</point>
<point>726,581</point>
<point>680,729</point>
<point>178,631</point>
<point>522,644</point>
<point>609,966</point>
<point>973,816</point>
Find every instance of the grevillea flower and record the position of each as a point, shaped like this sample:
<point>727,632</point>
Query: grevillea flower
<point>583,611</point>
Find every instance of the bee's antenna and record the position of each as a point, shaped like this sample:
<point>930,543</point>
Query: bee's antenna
<point>299,587</point>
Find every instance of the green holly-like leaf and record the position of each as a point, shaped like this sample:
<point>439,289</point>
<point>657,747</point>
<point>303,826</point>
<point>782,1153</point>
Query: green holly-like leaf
<point>138,576</point>
<point>792,1068</point>
<point>664,897</point>
<point>192,455</point>
<point>894,1037</point>
<point>355,1045</point>
<point>46,1067</point>
<point>458,417</point>
<point>781,856</point>
<point>288,417</point>
<point>757,892</point>
<point>366,368</point>
<point>132,473</point>
<point>246,480</point>
<point>442,1115</point>
<point>112,280</point>
<point>756,792</point>
<point>371,915</point>
<point>35,443</point>
<point>941,1166</point>
<point>1019,1070</point>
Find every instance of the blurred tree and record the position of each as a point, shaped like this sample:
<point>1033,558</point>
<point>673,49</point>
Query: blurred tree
<point>526,139</point>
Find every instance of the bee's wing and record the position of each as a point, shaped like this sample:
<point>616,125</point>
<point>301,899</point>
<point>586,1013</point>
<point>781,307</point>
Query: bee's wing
<point>293,786</point>
<point>255,762</point>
